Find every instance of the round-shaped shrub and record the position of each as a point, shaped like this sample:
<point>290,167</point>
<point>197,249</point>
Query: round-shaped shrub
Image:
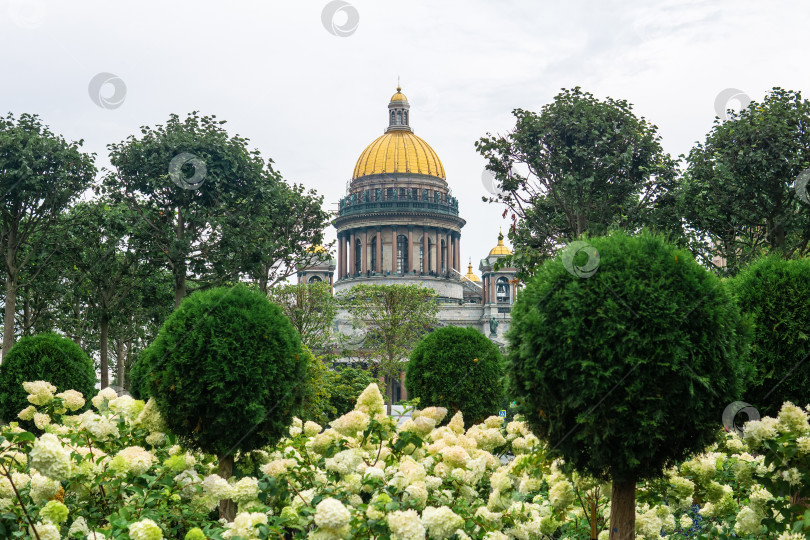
<point>459,369</point>
<point>625,361</point>
<point>226,371</point>
<point>138,381</point>
<point>775,293</point>
<point>43,357</point>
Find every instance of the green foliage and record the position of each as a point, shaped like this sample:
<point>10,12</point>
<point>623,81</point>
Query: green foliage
<point>317,390</point>
<point>40,175</point>
<point>776,294</point>
<point>391,320</point>
<point>459,369</point>
<point>44,357</point>
<point>311,308</point>
<point>580,165</point>
<point>139,375</point>
<point>739,186</point>
<point>226,370</point>
<point>346,386</point>
<point>630,369</point>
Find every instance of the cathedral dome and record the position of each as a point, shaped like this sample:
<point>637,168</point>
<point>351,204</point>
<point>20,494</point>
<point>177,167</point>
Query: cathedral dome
<point>500,249</point>
<point>471,275</point>
<point>399,151</point>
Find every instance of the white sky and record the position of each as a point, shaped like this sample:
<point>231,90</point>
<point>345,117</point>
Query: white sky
<point>312,101</point>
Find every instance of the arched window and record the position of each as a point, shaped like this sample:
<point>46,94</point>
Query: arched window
<point>374,254</point>
<point>399,117</point>
<point>502,290</point>
<point>393,118</point>
<point>314,279</point>
<point>358,250</point>
<point>402,254</point>
<point>405,117</point>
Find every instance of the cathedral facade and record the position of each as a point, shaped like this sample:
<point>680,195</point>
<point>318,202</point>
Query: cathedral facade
<point>400,224</point>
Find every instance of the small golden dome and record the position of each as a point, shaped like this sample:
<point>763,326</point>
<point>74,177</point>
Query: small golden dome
<point>399,96</point>
<point>399,151</point>
<point>316,249</point>
<point>500,249</point>
<point>470,275</point>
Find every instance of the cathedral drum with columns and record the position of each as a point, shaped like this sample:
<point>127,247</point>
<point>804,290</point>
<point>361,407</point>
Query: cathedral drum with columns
<point>400,224</point>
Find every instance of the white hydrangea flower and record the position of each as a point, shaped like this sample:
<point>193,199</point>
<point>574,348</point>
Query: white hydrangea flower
<point>561,494</point>
<point>351,423</point>
<point>246,489</point>
<point>73,400</point>
<point>437,414</point>
<point>441,522</point>
<point>370,401</point>
<point>792,419</point>
<point>244,525</point>
<point>405,525</point>
<point>45,531</point>
<point>78,527</point>
<point>43,488</point>
<point>216,487</point>
<point>311,428</point>
<point>150,418</point>
<point>41,420</point>
<point>39,392</point>
<point>756,431</point>
<point>27,413</point>
<point>748,521</point>
<point>146,529</point>
<point>331,514</point>
<point>137,459</point>
<point>105,394</point>
<point>50,458</point>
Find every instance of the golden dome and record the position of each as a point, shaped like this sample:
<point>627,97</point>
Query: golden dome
<point>399,96</point>
<point>470,275</point>
<point>399,151</point>
<point>500,249</point>
<point>316,249</point>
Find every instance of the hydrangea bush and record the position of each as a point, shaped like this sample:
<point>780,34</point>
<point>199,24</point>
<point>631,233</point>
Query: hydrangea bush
<point>115,472</point>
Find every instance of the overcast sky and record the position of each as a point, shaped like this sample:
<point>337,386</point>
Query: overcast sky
<point>311,91</point>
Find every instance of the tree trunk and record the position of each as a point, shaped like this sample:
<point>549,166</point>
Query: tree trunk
<point>11,308</point>
<point>26,315</point>
<point>104,350</point>
<point>623,510</point>
<point>389,392</point>
<point>227,508</point>
<point>179,263</point>
<point>120,362</point>
<point>594,517</point>
<point>263,281</point>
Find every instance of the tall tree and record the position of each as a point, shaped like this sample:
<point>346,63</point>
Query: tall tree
<point>580,165</point>
<point>182,179</point>
<point>311,308</point>
<point>286,221</point>
<point>739,188</point>
<point>40,175</point>
<point>391,320</point>
<point>106,265</point>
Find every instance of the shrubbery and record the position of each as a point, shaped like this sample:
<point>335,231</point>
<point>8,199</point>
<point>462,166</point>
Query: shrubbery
<point>459,369</point>
<point>346,384</point>
<point>776,293</point>
<point>46,356</point>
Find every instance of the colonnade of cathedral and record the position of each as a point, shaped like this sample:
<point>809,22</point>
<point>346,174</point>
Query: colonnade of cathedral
<point>392,249</point>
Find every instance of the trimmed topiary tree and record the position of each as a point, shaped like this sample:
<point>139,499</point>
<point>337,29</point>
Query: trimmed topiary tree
<point>775,293</point>
<point>227,374</point>
<point>459,369</point>
<point>138,375</point>
<point>623,359</point>
<point>43,357</point>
